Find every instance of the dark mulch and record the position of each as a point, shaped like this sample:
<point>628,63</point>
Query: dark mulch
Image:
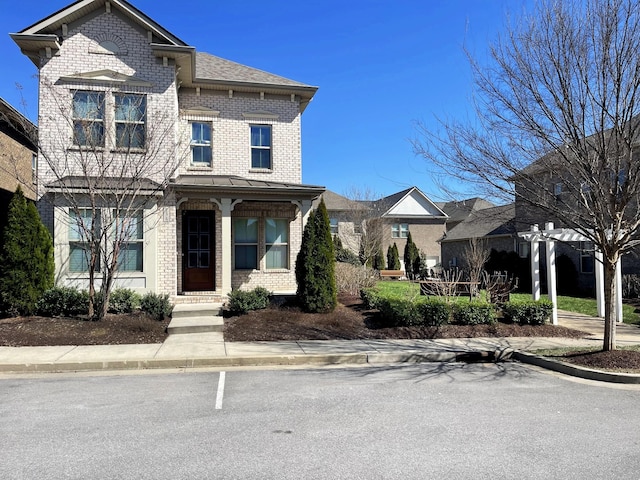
<point>616,360</point>
<point>113,330</point>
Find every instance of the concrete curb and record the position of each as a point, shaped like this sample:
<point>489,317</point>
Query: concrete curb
<point>574,370</point>
<point>253,361</point>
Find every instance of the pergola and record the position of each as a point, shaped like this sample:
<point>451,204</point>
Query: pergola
<point>550,236</point>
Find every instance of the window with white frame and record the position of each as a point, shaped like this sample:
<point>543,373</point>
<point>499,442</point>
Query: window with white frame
<point>81,225</point>
<point>201,144</point>
<point>88,119</point>
<point>586,257</point>
<point>400,230</point>
<point>333,225</point>
<point>130,232</point>
<point>523,249</point>
<point>245,238</point>
<point>261,146</point>
<point>277,242</point>
<point>130,120</point>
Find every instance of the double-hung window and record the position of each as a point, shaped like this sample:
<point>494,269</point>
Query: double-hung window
<point>88,119</point>
<point>586,257</point>
<point>277,242</point>
<point>129,233</point>
<point>82,224</point>
<point>333,225</point>
<point>245,237</point>
<point>200,144</point>
<point>400,230</point>
<point>261,146</point>
<point>130,119</point>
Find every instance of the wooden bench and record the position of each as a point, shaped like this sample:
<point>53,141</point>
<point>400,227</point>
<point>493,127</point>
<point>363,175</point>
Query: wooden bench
<point>391,274</point>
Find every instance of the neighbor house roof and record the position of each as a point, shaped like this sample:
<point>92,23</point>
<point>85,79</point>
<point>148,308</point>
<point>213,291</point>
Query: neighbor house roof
<point>17,126</point>
<point>488,222</point>
<point>337,203</point>
<point>409,203</point>
<point>458,210</point>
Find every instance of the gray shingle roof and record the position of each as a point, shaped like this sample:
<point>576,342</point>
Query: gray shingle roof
<point>336,203</point>
<point>210,67</point>
<point>486,222</point>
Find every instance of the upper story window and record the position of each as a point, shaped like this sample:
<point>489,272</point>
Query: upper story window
<point>88,119</point>
<point>130,119</point>
<point>586,257</point>
<point>558,188</point>
<point>400,230</point>
<point>261,146</point>
<point>200,144</point>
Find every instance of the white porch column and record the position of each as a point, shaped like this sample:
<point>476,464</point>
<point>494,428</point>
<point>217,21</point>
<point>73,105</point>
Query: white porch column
<point>551,275</point>
<point>599,266</point>
<point>619,290</point>
<point>226,207</point>
<point>535,265</point>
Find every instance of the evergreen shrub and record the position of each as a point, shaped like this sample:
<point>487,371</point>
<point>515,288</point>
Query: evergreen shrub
<point>474,313</point>
<point>123,300</point>
<point>243,301</point>
<point>157,306</point>
<point>528,313</point>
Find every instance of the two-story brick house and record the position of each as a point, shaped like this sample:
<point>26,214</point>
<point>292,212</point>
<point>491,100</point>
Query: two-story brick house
<point>214,146</point>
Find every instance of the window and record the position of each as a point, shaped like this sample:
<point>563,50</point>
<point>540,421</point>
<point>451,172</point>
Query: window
<point>200,144</point>
<point>131,116</point>
<point>88,119</point>
<point>261,146</point>
<point>129,229</point>
<point>245,232</point>
<point>586,257</point>
<point>523,249</point>
<point>34,168</point>
<point>400,230</point>
<point>277,242</point>
<point>333,224</point>
<point>557,188</point>
<point>80,227</point>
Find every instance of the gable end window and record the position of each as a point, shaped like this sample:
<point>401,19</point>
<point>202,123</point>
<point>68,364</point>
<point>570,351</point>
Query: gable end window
<point>200,144</point>
<point>261,146</point>
<point>88,119</point>
<point>400,230</point>
<point>130,119</point>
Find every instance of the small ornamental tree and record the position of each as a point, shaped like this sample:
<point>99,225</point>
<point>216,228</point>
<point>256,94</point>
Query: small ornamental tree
<point>411,257</point>
<point>315,264</point>
<point>26,258</point>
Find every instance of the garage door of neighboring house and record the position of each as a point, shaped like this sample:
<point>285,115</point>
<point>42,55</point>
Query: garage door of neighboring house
<point>198,251</point>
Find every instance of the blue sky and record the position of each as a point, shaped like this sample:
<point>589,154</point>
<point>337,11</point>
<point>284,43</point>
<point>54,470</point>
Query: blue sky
<point>379,66</point>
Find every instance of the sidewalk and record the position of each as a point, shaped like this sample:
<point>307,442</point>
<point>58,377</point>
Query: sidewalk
<point>210,350</point>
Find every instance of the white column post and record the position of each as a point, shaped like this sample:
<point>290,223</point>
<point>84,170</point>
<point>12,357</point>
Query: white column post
<point>599,266</point>
<point>535,264</point>
<point>551,274</point>
<point>619,290</point>
<point>226,207</point>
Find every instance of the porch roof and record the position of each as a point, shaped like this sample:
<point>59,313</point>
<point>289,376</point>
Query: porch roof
<point>81,184</point>
<point>240,187</point>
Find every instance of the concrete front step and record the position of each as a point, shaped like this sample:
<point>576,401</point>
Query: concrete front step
<point>207,323</point>
<point>187,310</point>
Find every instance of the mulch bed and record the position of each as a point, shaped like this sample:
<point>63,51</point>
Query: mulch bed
<point>616,360</point>
<point>113,330</point>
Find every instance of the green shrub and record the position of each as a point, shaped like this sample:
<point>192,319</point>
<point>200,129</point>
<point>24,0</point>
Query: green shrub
<point>123,300</point>
<point>370,297</point>
<point>60,301</point>
<point>401,312</point>
<point>473,313</point>
<point>528,313</point>
<point>158,306</point>
<point>243,301</point>
<point>434,312</point>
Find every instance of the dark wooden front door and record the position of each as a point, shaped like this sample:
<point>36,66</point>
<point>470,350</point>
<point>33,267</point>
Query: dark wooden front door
<point>198,251</point>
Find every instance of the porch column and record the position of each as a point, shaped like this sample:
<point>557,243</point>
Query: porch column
<point>551,275</point>
<point>619,290</point>
<point>535,264</point>
<point>599,266</point>
<point>226,207</point>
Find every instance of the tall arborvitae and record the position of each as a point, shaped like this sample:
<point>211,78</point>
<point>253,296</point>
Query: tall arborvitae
<point>393,257</point>
<point>315,265</point>
<point>410,255</point>
<point>26,258</point>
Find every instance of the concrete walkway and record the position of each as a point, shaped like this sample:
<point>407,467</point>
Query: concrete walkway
<point>210,350</point>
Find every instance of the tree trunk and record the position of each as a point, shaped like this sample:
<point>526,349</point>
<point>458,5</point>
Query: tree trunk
<point>609,305</point>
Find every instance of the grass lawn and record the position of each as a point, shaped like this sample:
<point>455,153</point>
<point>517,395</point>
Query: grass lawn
<point>586,306</point>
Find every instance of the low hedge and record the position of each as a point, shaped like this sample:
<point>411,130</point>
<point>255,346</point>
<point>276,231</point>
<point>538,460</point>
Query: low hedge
<point>528,313</point>
<point>243,301</point>
<point>63,301</point>
<point>435,312</point>
<point>370,297</point>
<point>474,313</point>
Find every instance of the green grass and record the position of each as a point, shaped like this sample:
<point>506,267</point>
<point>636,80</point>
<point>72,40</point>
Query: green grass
<point>586,306</point>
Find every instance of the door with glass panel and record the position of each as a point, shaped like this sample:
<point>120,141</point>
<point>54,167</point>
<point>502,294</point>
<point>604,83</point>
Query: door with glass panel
<point>198,251</point>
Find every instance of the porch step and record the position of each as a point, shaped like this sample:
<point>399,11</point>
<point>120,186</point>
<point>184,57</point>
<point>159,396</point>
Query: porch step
<point>196,318</point>
<point>195,325</point>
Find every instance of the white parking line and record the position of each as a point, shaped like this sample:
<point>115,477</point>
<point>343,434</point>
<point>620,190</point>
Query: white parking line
<point>220,393</point>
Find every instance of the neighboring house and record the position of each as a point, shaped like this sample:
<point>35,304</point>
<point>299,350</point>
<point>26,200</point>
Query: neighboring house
<point>495,227</point>
<point>17,156</point>
<point>407,211</point>
<point>232,212</point>
<point>459,210</point>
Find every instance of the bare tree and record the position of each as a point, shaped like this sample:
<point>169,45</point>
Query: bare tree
<point>476,254</point>
<point>365,215</point>
<point>556,125</point>
<point>110,179</point>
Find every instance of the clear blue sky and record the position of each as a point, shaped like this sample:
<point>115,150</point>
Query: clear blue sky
<point>379,66</point>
